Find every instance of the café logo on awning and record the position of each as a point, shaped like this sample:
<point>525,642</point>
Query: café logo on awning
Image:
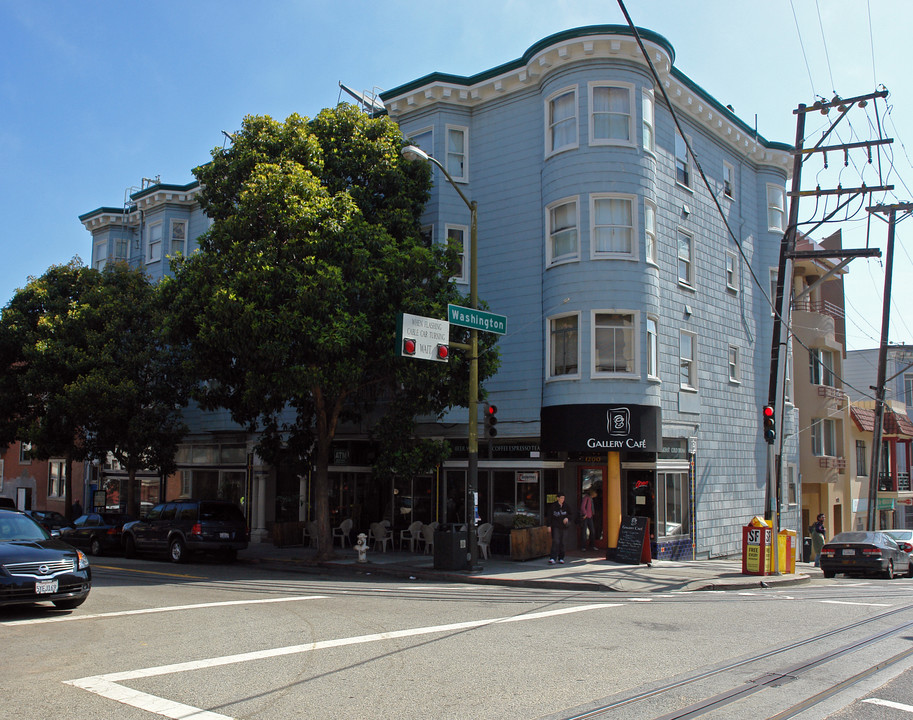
<point>618,425</point>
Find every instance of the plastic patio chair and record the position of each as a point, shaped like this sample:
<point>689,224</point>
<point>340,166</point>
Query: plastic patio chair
<point>381,536</point>
<point>485,531</point>
<point>428,537</point>
<point>342,532</point>
<point>412,534</point>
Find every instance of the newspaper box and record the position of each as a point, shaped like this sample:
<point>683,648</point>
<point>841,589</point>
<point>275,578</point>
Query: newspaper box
<point>756,539</point>
<point>786,549</point>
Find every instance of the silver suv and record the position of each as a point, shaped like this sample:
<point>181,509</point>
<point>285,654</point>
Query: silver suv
<point>180,527</point>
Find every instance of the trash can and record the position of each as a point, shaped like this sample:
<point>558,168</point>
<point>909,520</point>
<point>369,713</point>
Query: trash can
<point>451,546</point>
<point>806,549</point>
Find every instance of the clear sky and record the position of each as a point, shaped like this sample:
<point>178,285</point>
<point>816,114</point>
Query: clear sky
<point>95,96</point>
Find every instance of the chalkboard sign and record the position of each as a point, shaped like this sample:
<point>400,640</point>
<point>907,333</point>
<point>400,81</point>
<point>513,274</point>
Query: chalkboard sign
<point>633,541</point>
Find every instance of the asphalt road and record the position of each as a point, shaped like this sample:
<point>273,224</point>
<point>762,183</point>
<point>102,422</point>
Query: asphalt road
<point>208,641</point>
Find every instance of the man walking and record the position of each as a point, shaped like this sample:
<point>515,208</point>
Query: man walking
<point>587,528</point>
<point>558,518</point>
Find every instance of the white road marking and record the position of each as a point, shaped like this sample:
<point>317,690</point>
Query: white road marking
<point>844,602</point>
<point>150,611</point>
<point>108,685</point>
<point>889,704</point>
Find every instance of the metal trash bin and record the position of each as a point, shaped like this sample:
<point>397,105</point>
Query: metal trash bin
<point>806,549</point>
<point>451,547</point>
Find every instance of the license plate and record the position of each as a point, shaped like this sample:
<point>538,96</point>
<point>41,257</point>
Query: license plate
<point>224,536</point>
<point>849,552</point>
<point>45,587</point>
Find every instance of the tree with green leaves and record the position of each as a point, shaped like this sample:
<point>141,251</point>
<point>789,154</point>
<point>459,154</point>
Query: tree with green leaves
<point>135,391</point>
<point>42,353</point>
<point>85,372</point>
<point>289,308</point>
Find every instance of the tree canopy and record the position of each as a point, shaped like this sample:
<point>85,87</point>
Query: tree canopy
<point>289,309</point>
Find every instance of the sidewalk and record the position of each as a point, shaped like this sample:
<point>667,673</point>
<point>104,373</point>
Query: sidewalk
<point>583,571</point>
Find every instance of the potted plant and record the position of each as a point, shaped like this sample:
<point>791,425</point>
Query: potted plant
<point>529,539</point>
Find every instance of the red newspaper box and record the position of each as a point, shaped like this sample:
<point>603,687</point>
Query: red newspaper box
<point>756,539</point>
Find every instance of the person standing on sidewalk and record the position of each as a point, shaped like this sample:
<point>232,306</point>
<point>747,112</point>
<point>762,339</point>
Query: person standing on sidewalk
<point>819,537</point>
<point>557,519</point>
<point>587,528</point>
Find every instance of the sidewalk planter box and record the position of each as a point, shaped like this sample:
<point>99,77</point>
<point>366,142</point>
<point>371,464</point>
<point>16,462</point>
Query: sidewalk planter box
<point>529,543</point>
<point>288,534</point>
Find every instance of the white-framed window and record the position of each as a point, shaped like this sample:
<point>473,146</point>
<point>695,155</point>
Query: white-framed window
<point>776,208</point>
<point>652,348</point>
<point>824,437</point>
<point>561,121</point>
<point>423,138</point>
<point>687,353</point>
<point>673,514</point>
<point>56,472</point>
<point>908,390</point>
<point>611,113</point>
<point>732,271</point>
<point>458,153</point>
<point>735,371</point>
<point>728,180</point>
<point>154,243</point>
<point>457,234</point>
<point>612,228</point>
<point>648,111</point>
<point>179,236</point>
<point>100,255</point>
<point>562,220</point>
<point>564,346</point>
<point>614,343</point>
<point>650,251</point>
<point>685,255</point>
<point>682,162</point>
<point>25,453</point>
<point>821,367</point>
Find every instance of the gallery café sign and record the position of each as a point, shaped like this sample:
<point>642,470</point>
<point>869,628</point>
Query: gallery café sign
<point>606,428</point>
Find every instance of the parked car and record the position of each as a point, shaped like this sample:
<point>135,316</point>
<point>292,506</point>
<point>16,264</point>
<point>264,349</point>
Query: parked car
<point>50,520</point>
<point>181,527</point>
<point>98,533</point>
<point>35,567</point>
<point>904,538</point>
<point>864,553</point>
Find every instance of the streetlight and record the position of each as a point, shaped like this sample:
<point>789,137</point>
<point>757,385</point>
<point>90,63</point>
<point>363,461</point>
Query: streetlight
<point>411,152</point>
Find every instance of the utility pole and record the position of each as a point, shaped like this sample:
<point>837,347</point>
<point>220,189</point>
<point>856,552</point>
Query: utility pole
<point>891,210</point>
<point>783,296</point>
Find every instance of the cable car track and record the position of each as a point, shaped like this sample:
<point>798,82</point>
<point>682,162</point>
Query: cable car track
<point>627,706</point>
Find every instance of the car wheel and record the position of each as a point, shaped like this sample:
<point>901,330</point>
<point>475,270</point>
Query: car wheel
<point>69,604</point>
<point>889,571</point>
<point>129,547</point>
<point>829,573</point>
<point>95,546</point>
<point>176,551</point>
<point>910,569</point>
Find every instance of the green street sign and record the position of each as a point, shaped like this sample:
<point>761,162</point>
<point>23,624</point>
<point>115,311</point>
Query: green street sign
<point>477,319</point>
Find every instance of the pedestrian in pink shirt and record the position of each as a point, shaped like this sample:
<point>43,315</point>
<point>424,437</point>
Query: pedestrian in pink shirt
<point>587,529</point>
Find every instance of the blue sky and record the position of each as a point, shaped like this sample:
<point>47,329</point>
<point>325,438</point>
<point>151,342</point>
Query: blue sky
<point>94,96</point>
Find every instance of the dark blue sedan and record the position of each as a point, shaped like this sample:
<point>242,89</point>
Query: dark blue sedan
<point>35,567</point>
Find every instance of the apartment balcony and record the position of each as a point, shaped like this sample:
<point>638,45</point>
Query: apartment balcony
<point>886,484</point>
<point>820,307</point>
<point>831,462</point>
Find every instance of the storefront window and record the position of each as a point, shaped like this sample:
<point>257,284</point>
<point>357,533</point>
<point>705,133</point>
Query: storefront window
<point>672,518</point>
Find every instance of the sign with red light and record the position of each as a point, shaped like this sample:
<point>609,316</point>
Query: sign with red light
<point>423,337</point>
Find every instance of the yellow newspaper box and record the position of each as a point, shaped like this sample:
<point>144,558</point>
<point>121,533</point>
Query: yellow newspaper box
<point>786,551</point>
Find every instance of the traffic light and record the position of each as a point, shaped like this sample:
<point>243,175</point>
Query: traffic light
<point>770,425</point>
<point>491,419</point>
<point>408,346</point>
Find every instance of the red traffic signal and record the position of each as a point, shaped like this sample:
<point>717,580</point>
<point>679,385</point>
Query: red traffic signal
<point>442,352</point>
<point>408,346</point>
<point>491,419</point>
<point>770,425</point>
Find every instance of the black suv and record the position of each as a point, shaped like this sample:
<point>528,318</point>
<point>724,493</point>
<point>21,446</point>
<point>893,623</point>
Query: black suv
<point>180,527</point>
